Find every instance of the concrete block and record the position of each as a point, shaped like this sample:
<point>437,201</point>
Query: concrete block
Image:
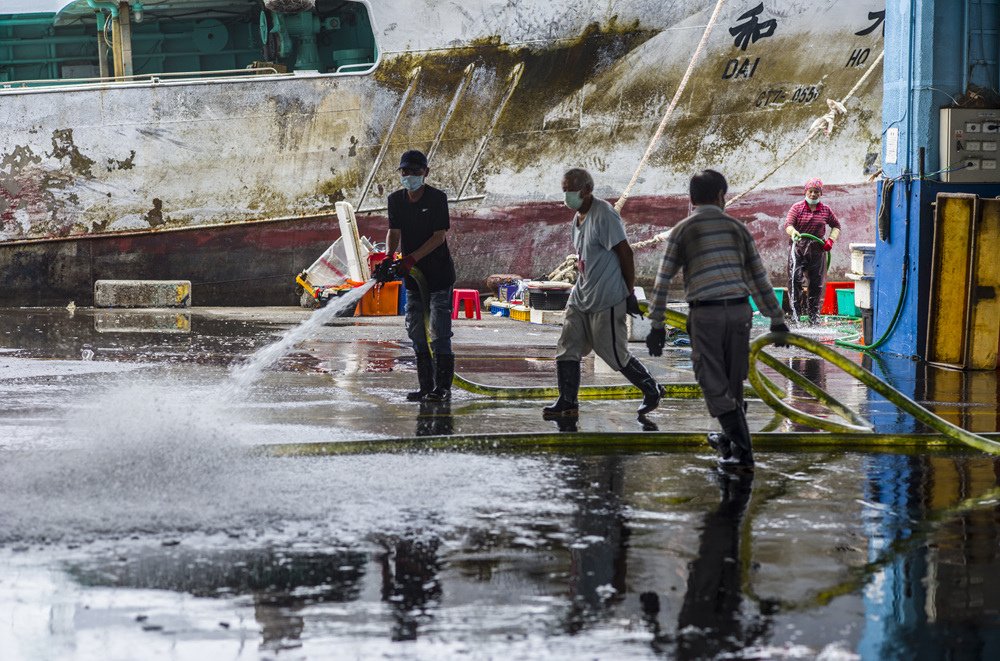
<point>142,294</point>
<point>550,317</point>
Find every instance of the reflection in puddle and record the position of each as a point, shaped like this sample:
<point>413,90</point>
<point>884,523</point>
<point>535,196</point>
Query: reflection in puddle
<point>142,321</point>
<point>134,515</point>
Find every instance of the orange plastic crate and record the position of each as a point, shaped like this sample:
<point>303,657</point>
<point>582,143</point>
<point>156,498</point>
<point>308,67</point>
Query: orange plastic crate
<point>380,301</point>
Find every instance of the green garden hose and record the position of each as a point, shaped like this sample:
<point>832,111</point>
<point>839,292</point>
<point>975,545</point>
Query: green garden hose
<point>763,387</point>
<point>815,238</point>
<point>617,391</point>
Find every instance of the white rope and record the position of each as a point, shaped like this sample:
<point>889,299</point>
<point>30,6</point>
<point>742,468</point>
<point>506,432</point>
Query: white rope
<point>662,236</point>
<point>673,104</point>
<point>566,271</point>
<point>824,124</point>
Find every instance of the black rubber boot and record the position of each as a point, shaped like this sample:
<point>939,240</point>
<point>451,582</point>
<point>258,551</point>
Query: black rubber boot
<point>734,424</point>
<point>444,372</point>
<point>720,443</point>
<point>425,377</point>
<point>568,378</point>
<point>637,374</point>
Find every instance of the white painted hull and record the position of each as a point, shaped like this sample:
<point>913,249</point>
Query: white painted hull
<point>78,162</point>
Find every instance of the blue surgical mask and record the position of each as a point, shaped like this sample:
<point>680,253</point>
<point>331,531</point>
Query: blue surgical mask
<point>812,203</point>
<point>412,182</point>
<point>573,199</point>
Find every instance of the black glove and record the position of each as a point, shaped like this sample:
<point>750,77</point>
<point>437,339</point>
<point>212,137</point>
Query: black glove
<point>385,271</point>
<point>779,327</point>
<point>655,340</point>
<point>632,306</point>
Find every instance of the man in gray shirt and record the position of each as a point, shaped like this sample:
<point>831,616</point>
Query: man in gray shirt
<point>599,301</point>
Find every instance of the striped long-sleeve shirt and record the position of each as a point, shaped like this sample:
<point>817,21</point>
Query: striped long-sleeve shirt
<point>720,260</point>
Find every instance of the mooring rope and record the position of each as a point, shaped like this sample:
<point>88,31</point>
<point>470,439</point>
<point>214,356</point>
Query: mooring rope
<point>824,123</point>
<point>670,108</point>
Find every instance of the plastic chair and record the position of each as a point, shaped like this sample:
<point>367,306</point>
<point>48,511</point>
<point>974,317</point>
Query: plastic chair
<point>471,299</point>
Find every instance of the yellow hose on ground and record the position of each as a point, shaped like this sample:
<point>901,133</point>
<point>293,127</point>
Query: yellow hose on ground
<point>762,386</point>
<point>856,424</point>
<point>619,442</point>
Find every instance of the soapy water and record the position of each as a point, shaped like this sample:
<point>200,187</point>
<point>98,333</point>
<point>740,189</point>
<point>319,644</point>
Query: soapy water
<point>158,459</point>
<point>165,457</point>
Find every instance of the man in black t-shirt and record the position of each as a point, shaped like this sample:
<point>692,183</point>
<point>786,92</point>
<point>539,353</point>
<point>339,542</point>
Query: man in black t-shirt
<point>418,221</point>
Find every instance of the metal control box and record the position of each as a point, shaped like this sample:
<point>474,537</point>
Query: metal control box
<point>970,138</point>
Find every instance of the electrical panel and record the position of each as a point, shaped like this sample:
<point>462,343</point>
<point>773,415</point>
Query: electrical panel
<point>970,138</point>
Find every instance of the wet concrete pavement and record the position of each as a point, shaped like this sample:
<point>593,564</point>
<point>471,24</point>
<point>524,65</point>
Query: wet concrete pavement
<point>135,514</point>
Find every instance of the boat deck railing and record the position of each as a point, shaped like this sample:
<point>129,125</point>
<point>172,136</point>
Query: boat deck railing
<point>138,78</point>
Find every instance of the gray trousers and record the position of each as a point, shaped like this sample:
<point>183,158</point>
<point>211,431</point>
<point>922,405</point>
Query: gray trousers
<point>720,345</point>
<point>440,321</point>
<point>603,332</point>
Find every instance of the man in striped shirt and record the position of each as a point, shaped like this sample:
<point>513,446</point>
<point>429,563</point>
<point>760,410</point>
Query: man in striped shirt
<point>807,259</point>
<point>721,268</point>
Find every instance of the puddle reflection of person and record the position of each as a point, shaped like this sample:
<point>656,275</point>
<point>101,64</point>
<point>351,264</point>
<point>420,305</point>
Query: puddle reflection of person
<point>410,583</point>
<point>711,622</point>
<point>435,419</point>
<point>598,568</point>
<point>568,423</point>
<point>814,370</point>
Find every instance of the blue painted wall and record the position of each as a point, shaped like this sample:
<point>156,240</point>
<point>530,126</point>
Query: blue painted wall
<point>933,50</point>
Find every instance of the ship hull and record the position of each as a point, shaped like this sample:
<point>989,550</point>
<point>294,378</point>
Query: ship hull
<point>184,179</point>
<point>254,263</point>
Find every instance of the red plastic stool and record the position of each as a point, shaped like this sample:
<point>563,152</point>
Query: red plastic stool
<point>471,299</point>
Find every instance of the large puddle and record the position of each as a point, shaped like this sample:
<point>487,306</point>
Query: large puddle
<point>139,519</point>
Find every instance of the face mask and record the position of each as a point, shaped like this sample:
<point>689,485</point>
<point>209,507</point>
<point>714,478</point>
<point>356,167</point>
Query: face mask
<point>812,203</point>
<point>573,199</point>
<point>412,182</point>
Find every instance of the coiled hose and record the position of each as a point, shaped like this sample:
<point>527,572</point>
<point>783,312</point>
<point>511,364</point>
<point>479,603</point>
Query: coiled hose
<point>853,426</point>
<point>617,391</point>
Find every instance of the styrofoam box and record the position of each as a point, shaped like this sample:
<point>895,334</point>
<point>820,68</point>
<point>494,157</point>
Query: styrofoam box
<point>638,329</point>
<point>863,293</point>
<point>548,317</point>
<point>863,258</point>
